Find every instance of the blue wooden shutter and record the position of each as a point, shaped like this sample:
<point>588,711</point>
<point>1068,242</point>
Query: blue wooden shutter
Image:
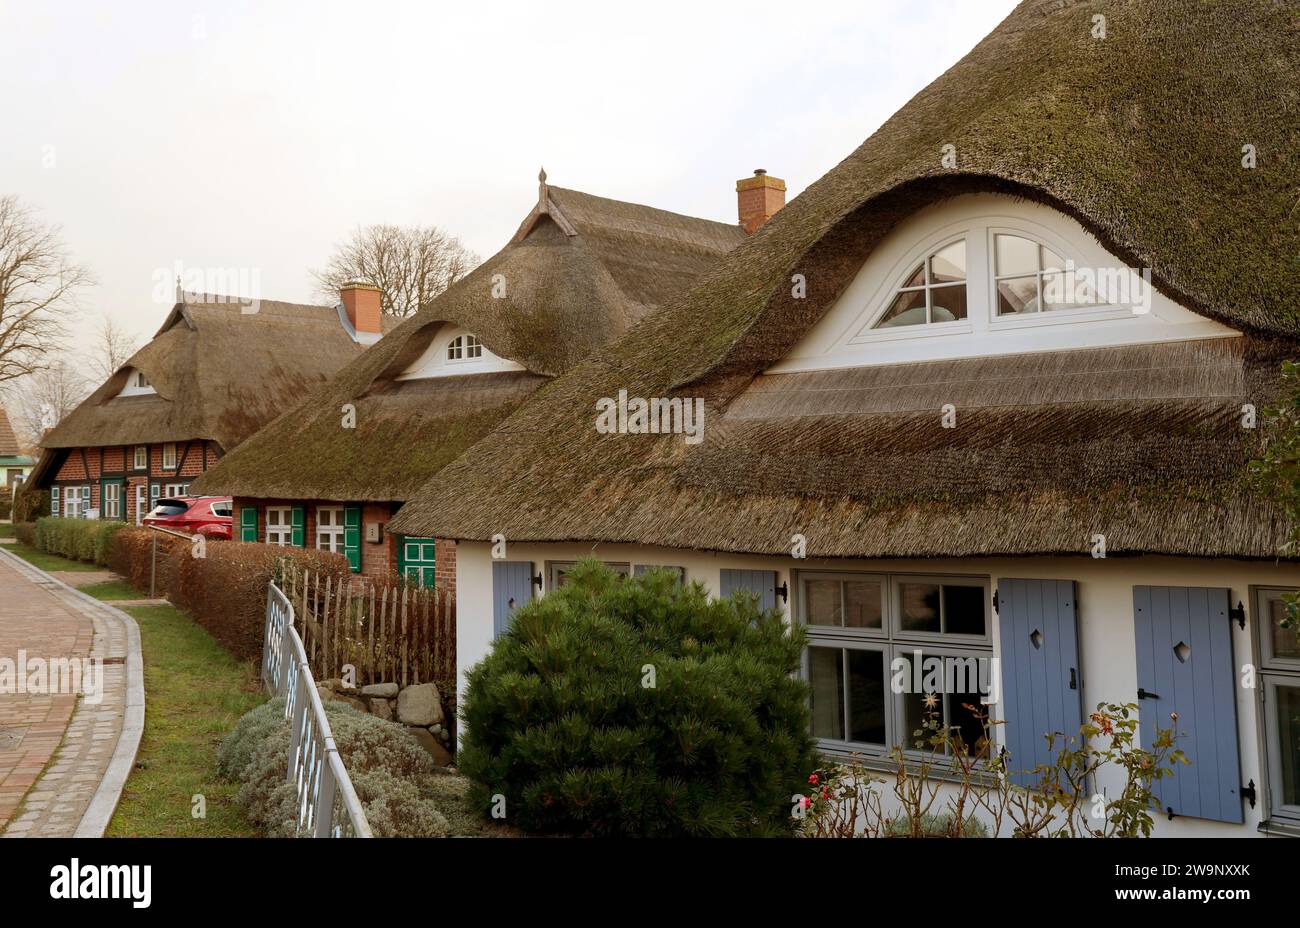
<point>512,586</point>
<point>54,501</point>
<point>760,582</point>
<point>352,536</point>
<point>248,523</point>
<point>1041,687</point>
<point>298,527</point>
<point>1185,665</point>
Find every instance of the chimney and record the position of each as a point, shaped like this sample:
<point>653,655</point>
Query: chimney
<point>362,302</point>
<point>758,198</point>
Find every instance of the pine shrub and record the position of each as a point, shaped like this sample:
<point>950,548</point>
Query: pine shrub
<point>639,707</point>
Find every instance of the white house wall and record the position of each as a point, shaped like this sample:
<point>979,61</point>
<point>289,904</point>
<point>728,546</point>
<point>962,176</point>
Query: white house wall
<point>1104,602</point>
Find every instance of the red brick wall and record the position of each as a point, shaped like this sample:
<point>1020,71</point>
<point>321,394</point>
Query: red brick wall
<point>444,560</point>
<point>88,465</point>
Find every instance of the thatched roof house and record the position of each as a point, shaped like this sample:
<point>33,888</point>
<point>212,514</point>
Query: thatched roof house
<point>217,370</point>
<point>580,271</point>
<point>1141,137</point>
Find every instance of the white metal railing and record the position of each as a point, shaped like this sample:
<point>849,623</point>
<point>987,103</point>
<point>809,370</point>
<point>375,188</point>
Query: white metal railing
<point>328,806</point>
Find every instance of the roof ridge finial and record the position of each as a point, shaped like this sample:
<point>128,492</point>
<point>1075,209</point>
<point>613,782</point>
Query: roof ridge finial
<point>543,194</point>
<point>180,293</point>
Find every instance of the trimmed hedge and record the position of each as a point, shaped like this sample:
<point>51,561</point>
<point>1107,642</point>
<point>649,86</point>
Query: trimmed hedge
<point>224,589</point>
<point>26,533</point>
<point>88,540</point>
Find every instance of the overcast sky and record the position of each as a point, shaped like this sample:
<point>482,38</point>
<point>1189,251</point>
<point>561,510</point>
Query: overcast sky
<point>254,136</point>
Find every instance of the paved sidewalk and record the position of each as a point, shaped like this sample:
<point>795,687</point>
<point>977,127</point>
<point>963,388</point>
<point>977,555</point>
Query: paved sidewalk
<point>92,746</point>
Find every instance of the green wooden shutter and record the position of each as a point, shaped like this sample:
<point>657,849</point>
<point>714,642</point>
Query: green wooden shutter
<point>298,527</point>
<point>415,559</point>
<point>352,536</point>
<point>248,523</point>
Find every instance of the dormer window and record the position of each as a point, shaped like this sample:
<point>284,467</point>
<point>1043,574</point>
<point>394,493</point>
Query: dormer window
<point>137,384</point>
<point>464,348</point>
<point>935,290</point>
<point>983,274</point>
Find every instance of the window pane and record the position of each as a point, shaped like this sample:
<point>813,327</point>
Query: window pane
<point>1018,295</point>
<point>916,278</point>
<point>920,606</point>
<point>1285,643</point>
<point>948,303</point>
<point>908,308</point>
<point>866,696</point>
<point>1066,291</point>
<point>823,602</point>
<point>1015,255</point>
<point>826,674</point>
<point>965,723</point>
<point>918,717</point>
<point>1288,742</point>
<point>862,604</point>
<point>949,264</point>
<point>1051,260</point>
<point>963,610</point>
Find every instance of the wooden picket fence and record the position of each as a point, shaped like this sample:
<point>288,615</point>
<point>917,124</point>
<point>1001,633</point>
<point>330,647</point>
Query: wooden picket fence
<point>395,632</point>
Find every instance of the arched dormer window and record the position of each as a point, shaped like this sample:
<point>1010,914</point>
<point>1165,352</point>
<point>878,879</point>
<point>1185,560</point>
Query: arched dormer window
<point>464,348</point>
<point>984,274</point>
<point>935,290</point>
<point>453,351</point>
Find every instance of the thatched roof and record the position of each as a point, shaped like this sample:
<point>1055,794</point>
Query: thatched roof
<point>580,271</point>
<point>1139,137</point>
<point>222,369</point>
<point>10,448</point>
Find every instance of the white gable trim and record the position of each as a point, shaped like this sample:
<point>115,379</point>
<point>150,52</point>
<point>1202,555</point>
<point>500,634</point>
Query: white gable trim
<point>845,336</point>
<point>434,362</point>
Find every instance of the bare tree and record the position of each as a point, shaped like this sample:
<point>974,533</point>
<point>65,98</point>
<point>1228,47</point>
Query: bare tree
<point>112,349</point>
<point>38,284</point>
<point>411,265</point>
<point>40,400</point>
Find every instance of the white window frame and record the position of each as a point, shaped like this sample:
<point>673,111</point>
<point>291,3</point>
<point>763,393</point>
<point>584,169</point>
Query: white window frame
<point>112,501</point>
<point>137,384</point>
<point>332,536</point>
<point>169,456</point>
<point>845,336</point>
<point>280,531</point>
<point>176,489</point>
<point>140,458</point>
<point>1274,673</point>
<point>456,352</point>
<point>56,501</point>
<point>892,641</point>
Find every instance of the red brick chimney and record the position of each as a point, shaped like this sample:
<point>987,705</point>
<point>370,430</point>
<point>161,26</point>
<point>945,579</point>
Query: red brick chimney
<point>362,302</point>
<point>758,198</point>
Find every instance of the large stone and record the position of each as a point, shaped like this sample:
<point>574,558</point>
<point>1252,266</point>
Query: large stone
<point>441,756</point>
<point>419,705</point>
<point>380,689</point>
<point>381,708</point>
<point>352,701</point>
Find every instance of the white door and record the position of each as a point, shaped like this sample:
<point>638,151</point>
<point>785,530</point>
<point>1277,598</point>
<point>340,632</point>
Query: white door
<point>140,501</point>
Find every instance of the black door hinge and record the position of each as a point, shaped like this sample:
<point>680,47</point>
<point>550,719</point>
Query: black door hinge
<point>537,581</point>
<point>784,592</point>
<point>1238,614</point>
<point>995,600</point>
<point>1145,694</point>
<point>1249,792</point>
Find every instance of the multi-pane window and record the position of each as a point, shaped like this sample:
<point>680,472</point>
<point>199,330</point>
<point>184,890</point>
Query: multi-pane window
<point>76,500</point>
<point>1032,278</point>
<point>176,489</point>
<point>935,290</point>
<point>464,348</point>
<point>890,655</point>
<point>329,528</point>
<point>141,459</point>
<point>279,527</point>
<point>112,501</point>
<point>169,456</point>
<point>559,572</point>
<point>1279,649</point>
<point>55,499</point>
